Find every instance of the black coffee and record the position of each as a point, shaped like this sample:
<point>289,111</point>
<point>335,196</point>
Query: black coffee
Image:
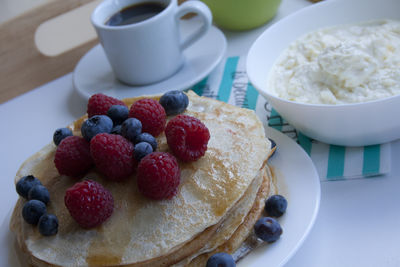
<point>135,13</point>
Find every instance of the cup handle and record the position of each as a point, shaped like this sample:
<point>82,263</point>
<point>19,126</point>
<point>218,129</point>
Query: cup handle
<point>200,9</point>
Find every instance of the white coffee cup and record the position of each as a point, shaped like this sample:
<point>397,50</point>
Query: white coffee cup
<point>151,50</point>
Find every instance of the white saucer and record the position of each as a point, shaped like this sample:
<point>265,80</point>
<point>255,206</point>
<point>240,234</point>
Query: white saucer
<point>93,73</point>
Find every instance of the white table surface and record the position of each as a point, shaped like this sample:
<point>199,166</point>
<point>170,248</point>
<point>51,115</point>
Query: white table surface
<point>358,222</point>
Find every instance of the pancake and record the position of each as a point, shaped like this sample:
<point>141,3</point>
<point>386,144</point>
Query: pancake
<point>215,233</point>
<point>144,232</point>
<point>243,238</point>
<point>231,234</point>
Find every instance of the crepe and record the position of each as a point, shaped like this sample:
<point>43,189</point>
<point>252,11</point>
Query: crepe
<point>243,237</point>
<point>231,234</point>
<point>147,232</point>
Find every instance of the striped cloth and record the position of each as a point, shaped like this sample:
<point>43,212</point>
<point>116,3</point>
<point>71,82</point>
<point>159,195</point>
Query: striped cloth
<point>229,83</point>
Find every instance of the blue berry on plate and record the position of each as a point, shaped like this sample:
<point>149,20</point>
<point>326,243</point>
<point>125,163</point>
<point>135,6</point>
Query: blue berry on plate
<point>116,129</point>
<point>221,259</point>
<point>275,206</point>
<point>273,146</point>
<point>268,229</point>
<point>174,102</point>
<point>118,113</point>
<point>39,192</point>
<point>95,125</point>
<point>131,128</point>
<point>141,150</point>
<point>60,134</point>
<point>48,224</point>
<point>148,138</point>
<point>33,210</point>
<point>25,184</point>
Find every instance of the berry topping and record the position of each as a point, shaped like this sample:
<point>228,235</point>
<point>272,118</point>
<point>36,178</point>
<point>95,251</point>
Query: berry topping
<point>221,259</point>
<point>95,125</point>
<point>60,134</point>
<point>89,203</point>
<point>267,229</point>
<point>174,102</point>
<point>131,128</point>
<point>275,206</point>
<point>187,137</point>
<point>99,104</point>
<point>48,224</point>
<point>72,156</point>
<point>33,210</point>
<point>112,155</point>
<point>151,114</point>
<point>116,129</point>
<point>158,175</point>
<point>142,149</point>
<point>148,138</point>
<point>25,184</point>
<point>39,192</point>
<point>118,113</point>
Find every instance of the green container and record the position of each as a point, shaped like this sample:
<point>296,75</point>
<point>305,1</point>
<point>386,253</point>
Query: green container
<point>242,15</point>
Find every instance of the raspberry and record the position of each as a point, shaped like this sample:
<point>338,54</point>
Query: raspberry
<point>151,114</point>
<point>99,104</point>
<point>113,155</point>
<point>187,137</point>
<point>72,156</point>
<point>89,203</point>
<point>158,175</point>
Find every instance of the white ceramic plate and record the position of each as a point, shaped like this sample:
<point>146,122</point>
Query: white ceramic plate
<point>93,73</point>
<point>298,181</point>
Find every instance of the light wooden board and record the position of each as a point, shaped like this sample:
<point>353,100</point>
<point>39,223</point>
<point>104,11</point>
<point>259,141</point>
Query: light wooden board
<point>22,66</point>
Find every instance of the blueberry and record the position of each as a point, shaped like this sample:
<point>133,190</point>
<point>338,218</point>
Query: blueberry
<point>48,224</point>
<point>141,150</point>
<point>33,210</point>
<point>275,205</point>
<point>221,259</point>
<point>116,129</point>
<point>39,192</point>
<point>148,138</point>
<point>118,113</point>
<point>95,125</point>
<point>267,229</point>
<point>174,102</point>
<point>273,145</point>
<point>25,184</point>
<point>60,134</point>
<point>131,128</point>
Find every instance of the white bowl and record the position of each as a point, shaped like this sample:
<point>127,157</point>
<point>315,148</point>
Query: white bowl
<point>358,124</point>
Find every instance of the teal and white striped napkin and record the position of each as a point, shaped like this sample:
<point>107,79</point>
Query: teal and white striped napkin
<point>229,83</point>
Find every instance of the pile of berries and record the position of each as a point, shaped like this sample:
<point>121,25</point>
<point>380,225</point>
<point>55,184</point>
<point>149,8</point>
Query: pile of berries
<point>117,140</point>
<point>34,210</point>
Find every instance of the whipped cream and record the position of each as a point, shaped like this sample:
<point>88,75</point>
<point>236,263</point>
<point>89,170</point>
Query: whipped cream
<point>341,64</point>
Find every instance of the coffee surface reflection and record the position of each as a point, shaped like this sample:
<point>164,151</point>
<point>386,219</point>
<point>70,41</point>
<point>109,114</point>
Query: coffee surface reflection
<point>135,13</point>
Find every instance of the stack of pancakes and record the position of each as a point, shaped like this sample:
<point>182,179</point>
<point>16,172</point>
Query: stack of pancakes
<point>219,199</point>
